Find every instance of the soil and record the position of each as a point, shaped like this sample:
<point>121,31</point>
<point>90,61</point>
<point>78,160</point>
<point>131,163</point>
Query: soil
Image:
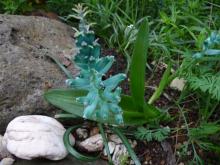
<point>154,152</point>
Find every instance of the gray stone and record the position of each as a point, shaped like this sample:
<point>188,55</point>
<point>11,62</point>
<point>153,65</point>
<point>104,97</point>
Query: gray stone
<point>3,150</point>
<point>82,133</point>
<point>111,146</point>
<point>25,72</point>
<point>115,139</point>
<point>119,153</point>
<point>93,143</point>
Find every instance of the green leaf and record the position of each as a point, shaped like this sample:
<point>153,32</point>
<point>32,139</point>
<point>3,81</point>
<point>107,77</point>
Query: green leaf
<point>71,150</point>
<point>65,116</point>
<point>131,114</point>
<point>152,134</point>
<point>208,145</point>
<point>162,85</point>
<point>65,99</point>
<point>138,65</point>
<point>68,73</point>
<point>205,130</point>
<point>151,112</point>
<point>105,141</point>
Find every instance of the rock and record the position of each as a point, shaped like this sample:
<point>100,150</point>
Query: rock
<point>119,154</point>
<point>7,161</point>
<point>115,139</point>
<point>178,83</point>
<point>82,133</point>
<point>92,144</point>
<point>133,143</point>
<point>111,146</point>
<point>131,162</point>
<point>24,69</point>
<point>181,163</point>
<point>170,159</point>
<point>3,151</point>
<point>34,136</point>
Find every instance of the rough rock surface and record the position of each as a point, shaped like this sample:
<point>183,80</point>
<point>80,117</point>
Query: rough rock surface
<point>36,136</point>
<point>3,151</point>
<point>119,153</point>
<point>25,72</point>
<point>93,143</point>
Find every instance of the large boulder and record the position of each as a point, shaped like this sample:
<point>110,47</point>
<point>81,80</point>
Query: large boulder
<point>25,72</point>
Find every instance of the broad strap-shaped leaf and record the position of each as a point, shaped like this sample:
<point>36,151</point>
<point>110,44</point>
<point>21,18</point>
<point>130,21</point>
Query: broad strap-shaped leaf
<point>163,83</point>
<point>133,117</point>
<point>138,65</point>
<point>65,99</point>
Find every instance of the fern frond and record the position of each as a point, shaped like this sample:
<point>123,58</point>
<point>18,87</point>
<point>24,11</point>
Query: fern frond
<point>156,134</point>
<point>207,83</point>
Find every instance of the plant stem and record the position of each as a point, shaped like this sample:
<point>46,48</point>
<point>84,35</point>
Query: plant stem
<point>68,74</point>
<point>105,143</point>
<point>162,85</point>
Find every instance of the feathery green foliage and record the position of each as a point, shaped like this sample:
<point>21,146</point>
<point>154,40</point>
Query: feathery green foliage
<point>206,136</point>
<point>201,69</point>
<point>159,134</point>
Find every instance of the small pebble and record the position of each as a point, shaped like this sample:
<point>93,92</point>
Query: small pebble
<point>111,146</point>
<point>181,163</point>
<point>82,133</point>
<point>131,162</point>
<point>115,139</point>
<point>93,143</point>
<point>178,146</point>
<point>162,162</point>
<point>146,162</point>
<point>7,161</point>
<point>147,158</point>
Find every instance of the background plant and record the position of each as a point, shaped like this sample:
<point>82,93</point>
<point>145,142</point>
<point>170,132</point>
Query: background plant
<point>99,103</point>
<point>15,7</point>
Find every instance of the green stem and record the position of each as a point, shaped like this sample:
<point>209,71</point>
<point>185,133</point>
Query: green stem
<point>68,74</point>
<point>71,150</point>
<point>105,143</point>
<point>213,109</point>
<point>162,85</point>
